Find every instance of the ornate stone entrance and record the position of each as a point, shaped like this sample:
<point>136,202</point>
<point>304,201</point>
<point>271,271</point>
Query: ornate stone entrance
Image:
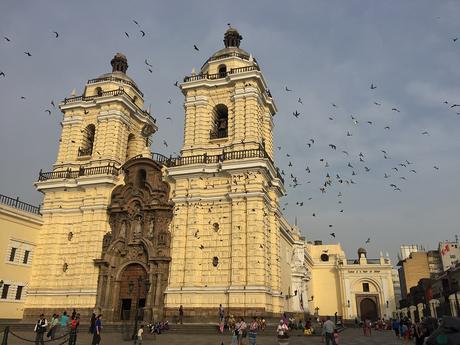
<point>134,266</point>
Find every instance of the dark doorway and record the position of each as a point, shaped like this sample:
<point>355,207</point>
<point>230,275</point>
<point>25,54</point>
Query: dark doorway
<point>125,308</point>
<point>368,309</point>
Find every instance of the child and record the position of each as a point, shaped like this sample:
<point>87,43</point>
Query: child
<point>138,340</point>
<point>336,337</point>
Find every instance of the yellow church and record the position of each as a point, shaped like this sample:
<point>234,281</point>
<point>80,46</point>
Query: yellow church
<point>129,232</point>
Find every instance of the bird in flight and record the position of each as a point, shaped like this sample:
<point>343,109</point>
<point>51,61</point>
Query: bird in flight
<point>196,48</point>
<point>296,114</point>
<point>455,39</point>
<point>300,101</point>
<point>48,111</point>
<point>165,143</point>
<point>334,105</point>
<point>368,240</point>
<point>56,34</point>
<point>387,127</point>
<point>2,74</point>
<point>147,63</point>
<point>142,33</point>
<point>136,22</point>
<point>396,109</point>
<point>287,89</point>
<point>332,234</point>
<point>377,103</point>
<point>425,133</point>
<point>373,87</point>
<point>6,39</point>
<point>435,167</point>
<point>127,35</point>
<point>168,118</point>
<point>455,105</point>
<point>28,53</point>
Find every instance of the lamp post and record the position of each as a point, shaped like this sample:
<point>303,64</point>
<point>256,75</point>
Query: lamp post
<point>140,282</point>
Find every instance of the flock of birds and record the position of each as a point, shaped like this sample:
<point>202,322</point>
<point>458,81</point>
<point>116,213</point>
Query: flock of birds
<point>343,171</point>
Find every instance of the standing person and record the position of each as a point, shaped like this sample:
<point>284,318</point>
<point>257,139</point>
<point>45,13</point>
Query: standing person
<point>64,321</point>
<point>221,318</point>
<point>92,325</point>
<point>74,323</point>
<point>282,330</point>
<point>419,333</point>
<point>53,326</point>
<point>140,332</point>
<point>328,330</point>
<point>40,329</point>
<point>97,330</point>
<point>181,314</point>
<point>336,337</point>
<point>240,330</point>
<point>252,334</point>
<point>395,327</point>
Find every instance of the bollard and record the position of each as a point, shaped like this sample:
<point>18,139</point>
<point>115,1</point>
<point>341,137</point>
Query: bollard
<point>5,335</point>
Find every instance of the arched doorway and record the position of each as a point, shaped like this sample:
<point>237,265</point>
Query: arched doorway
<point>368,309</point>
<point>133,291</point>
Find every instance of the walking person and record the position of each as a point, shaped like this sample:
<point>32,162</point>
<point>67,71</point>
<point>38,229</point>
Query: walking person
<point>252,334</point>
<point>63,322</point>
<point>328,330</point>
<point>40,329</point>
<point>140,332</point>
<point>240,330</point>
<point>97,330</point>
<point>54,324</point>
<point>181,314</point>
<point>221,318</point>
<point>74,323</point>
<point>395,326</point>
<point>92,324</point>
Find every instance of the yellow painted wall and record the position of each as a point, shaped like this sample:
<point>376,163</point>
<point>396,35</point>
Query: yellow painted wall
<point>23,228</point>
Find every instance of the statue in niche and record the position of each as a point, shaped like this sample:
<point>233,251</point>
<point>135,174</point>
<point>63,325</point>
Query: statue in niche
<point>137,227</point>
<point>162,239</point>
<point>151,228</point>
<point>122,232</point>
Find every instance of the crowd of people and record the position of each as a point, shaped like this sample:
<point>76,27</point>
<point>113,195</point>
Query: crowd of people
<point>63,325</point>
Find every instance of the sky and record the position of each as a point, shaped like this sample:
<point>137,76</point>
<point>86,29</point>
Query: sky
<point>327,52</point>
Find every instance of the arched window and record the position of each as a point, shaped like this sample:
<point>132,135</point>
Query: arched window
<point>98,91</point>
<point>86,148</point>
<point>222,71</point>
<point>130,147</point>
<point>220,124</point>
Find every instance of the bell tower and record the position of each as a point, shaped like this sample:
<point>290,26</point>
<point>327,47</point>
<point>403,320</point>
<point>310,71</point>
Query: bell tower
<point>226,190</point>
<point>101,129</point>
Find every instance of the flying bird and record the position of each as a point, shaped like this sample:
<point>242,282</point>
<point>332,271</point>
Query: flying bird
<point>2,74</point>
<point>455,39</point>
<point>6,39</point>
<point>296,114</point>
<point>165,143</point>
<point>437,168</point>
<point>52,103</point>
<point>373,87</point>
<point>396,109</point>
<point>287,89</point>
<point>56,33</point>
<point>196,48</point>
<point>455,105</point>
<point>368,240</point>
<point>142,33</point>
<point>377,103</point>
<point>135,22</point>
<point>28,53</point>
<point>127,35</point>
<point>387,127</point>
<point>148,64</point>
<point>48,111</point>
<point>300,100</point>
<point>425,133</point>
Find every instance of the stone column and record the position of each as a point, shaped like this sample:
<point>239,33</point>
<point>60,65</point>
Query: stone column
<point>412,309</point>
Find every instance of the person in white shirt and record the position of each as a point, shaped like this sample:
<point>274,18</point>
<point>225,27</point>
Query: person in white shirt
<point>40,329</point>
<point>328,330</point>
<point>140,332</point>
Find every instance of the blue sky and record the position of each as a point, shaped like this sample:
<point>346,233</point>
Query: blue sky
<point>325,51</point>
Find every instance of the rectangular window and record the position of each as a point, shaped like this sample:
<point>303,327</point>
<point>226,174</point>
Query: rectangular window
<point>26,257</point>
<point>6,287</point>
<point>12,254</point>
<point>19,292</point>
<point>365,287</point>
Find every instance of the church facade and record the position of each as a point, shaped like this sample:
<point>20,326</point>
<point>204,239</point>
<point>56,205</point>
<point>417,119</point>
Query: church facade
<point>128,232</point>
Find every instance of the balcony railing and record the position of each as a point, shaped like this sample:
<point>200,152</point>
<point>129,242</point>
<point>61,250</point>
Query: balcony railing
<point>20,205</point>
<point>112,78</point>
<point>213,159</point>
<point>220,75</point>
<point>119,92</point>
<point>218,134</point>
<point>82,171</point>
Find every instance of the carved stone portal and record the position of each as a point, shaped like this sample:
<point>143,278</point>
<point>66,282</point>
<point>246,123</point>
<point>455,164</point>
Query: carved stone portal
<point>134,265</point>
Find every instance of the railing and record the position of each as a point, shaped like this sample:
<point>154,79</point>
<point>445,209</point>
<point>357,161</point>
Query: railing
<point>20,205</point>
<point>218,134</point>
<point>224,56</point>
<point>369,261</point>
<point>82,171</point>
<point>220,75</point>
<point>112,78</point>
<point>213,159</point>
<point>85,151</point>
<point>118,92</point>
